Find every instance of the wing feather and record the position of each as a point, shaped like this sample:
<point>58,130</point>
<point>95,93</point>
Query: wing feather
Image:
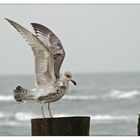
<point>52,42</point>
<point>44,63</point>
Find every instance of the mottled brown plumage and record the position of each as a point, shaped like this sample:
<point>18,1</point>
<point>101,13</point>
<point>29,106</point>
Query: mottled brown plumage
<point>48,55</point>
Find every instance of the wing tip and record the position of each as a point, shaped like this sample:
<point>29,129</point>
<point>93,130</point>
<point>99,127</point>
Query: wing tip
<point>10,21</point>
<point>32,24</point>
<point>7,19</point>
<point>35,24</point>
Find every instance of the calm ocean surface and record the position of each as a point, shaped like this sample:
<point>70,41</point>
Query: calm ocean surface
<point>111,100</point>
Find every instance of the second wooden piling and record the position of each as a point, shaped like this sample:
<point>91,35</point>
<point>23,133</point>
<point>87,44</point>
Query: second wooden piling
<point>138,125</point>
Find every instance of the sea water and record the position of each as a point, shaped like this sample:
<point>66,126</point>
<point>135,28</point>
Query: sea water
<point>110,99</point>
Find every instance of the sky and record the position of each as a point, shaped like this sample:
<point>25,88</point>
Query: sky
<point>96,38</point>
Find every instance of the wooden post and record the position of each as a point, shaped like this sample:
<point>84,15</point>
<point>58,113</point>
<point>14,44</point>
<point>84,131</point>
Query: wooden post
<point>138,126</point>
<point>63,126</point>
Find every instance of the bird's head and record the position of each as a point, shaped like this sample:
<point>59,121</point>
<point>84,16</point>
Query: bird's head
<point>68,76</point>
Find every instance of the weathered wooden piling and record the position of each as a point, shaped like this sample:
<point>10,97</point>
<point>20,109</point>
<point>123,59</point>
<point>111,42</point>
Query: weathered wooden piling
<point>62,126</point>
<point>138,125</point>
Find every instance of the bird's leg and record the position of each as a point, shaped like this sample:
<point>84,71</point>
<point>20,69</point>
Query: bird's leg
<point>50,110</point>
<point>42,111</point>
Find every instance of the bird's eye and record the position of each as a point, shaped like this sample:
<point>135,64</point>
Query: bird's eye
<point>68,76</point>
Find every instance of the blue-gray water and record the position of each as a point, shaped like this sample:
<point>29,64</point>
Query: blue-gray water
<point>112,101</point>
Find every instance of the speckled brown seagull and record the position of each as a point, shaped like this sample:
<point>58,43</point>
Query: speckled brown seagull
<point>48,55</point>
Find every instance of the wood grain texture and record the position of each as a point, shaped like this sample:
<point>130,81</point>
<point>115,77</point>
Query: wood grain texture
<point>62,126</point>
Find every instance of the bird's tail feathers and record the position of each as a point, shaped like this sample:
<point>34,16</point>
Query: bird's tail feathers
<point>21,94</point>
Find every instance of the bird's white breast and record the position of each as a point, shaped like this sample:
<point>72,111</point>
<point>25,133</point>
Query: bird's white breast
<point>45,90</point>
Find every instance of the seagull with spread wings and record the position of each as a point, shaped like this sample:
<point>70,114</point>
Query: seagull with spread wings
<point>48,56</point>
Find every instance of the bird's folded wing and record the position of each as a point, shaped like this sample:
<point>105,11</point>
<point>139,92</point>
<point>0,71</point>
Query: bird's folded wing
<point>44,63</point>
<point>52,42</point>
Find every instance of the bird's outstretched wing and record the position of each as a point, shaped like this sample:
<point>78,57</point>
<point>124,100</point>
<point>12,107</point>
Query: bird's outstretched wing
<point>54,45</point>
<point>44,63</point>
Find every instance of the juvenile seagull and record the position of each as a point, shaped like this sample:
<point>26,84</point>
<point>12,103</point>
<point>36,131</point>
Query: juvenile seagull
<point>48,55</point>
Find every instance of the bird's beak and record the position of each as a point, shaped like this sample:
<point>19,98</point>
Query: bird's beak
<point>74,82</point>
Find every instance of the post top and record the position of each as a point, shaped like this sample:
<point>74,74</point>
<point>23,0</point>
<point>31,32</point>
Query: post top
<point>68,117</point>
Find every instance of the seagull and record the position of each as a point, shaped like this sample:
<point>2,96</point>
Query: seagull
<point>50,85</point>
